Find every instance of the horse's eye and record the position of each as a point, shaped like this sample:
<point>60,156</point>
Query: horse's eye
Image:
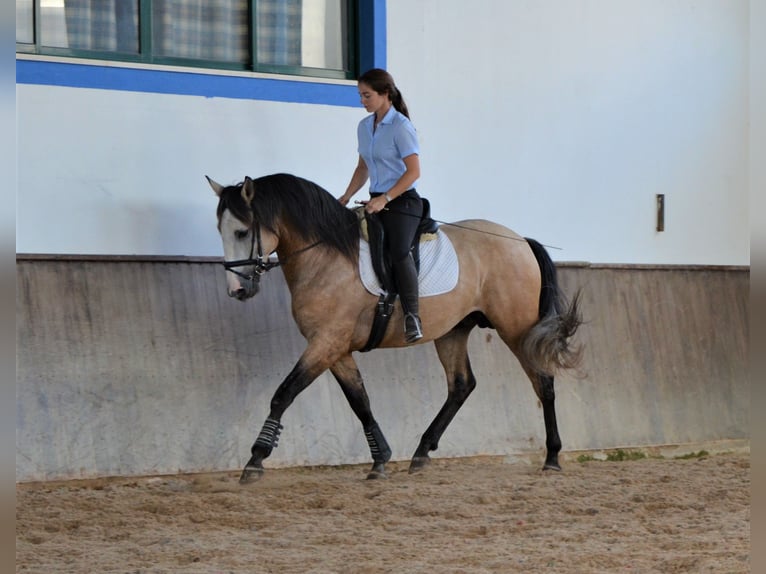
<point>241,233</point>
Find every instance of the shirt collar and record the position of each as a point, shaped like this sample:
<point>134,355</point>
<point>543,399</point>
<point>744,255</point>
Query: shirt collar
<point>389,117</point>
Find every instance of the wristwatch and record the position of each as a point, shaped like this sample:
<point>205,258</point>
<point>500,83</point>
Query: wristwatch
<point>387,197</point>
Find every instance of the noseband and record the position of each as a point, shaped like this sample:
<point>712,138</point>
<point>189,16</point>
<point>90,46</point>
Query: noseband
<point>260,265</point>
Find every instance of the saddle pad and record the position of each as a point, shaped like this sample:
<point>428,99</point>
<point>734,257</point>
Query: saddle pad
<point>439,269</point>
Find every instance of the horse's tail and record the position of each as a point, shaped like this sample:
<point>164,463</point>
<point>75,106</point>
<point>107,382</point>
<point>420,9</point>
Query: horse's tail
<point>547,347</point>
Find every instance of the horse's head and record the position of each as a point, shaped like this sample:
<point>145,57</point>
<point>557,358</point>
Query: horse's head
<point>246,244</point>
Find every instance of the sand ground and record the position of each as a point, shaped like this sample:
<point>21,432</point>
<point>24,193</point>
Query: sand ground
<point>473,515</point>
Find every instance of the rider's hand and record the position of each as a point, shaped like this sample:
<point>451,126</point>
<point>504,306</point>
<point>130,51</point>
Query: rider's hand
<point>376,204</point>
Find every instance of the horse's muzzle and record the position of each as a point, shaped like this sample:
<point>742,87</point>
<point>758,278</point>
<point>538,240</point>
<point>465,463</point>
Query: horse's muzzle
<point>245,290</point>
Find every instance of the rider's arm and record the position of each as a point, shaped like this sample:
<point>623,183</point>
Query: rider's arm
<point>357,181</point>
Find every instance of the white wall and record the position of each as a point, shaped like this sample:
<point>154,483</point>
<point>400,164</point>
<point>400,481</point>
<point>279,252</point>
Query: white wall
<point>123,172</point>
<point>561,120</point>
<point>565,119</point>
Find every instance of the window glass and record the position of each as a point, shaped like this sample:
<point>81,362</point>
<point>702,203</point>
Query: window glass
<point>288,36</point>
<point>323,34</point>
<point>25,23</point>
<point>310,33</point>
<point>104,25</point>
<point>201,29</point>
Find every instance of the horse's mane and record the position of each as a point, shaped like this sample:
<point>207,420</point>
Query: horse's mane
<point>306,208</point>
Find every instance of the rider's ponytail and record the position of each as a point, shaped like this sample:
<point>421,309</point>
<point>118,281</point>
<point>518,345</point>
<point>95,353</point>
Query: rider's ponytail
<point>398,102</point>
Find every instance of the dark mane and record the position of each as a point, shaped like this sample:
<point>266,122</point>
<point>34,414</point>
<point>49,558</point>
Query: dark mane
<point>309,210</point>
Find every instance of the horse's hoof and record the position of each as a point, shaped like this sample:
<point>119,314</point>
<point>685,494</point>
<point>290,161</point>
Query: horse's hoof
<point>418,463</point>
<point>552,466</point>
<point>251,474</point>
<point>377,472</point>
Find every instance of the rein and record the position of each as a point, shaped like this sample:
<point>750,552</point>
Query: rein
<point>261,265</point>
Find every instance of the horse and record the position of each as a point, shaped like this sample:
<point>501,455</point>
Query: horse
<point>506,282</point>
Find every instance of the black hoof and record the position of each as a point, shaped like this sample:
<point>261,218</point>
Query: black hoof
<point>377,472</point>
<point>251,474</point>
<point>552,466</point>
<point>418,463</point>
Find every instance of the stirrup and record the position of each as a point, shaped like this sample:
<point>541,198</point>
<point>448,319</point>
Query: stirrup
<point>412,330</point>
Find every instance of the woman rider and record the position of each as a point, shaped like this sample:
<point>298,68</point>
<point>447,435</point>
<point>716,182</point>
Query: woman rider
<point>388,157</point>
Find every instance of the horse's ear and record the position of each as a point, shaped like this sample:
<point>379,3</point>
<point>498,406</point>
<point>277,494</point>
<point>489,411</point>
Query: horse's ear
<point>217,187</point>
<point>248,190</point>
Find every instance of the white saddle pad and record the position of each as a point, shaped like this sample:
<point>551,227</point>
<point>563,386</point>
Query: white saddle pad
<point>439,269</point>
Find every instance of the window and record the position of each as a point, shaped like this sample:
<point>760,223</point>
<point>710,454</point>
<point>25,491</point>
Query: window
<point>303,37</point>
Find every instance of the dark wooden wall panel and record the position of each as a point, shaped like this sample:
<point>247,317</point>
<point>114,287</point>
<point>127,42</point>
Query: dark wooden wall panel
<point>142,367</point>
<point>666,352</point>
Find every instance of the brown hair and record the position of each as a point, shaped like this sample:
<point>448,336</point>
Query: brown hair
<point>383,83</point>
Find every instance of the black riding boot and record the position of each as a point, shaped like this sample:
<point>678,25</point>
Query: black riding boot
<point>406,277</point>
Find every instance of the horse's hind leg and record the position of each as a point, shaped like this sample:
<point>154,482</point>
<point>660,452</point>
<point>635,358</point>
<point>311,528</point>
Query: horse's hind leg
<point>347,374</point>
<point>452,349</point>
<point>543,385</point>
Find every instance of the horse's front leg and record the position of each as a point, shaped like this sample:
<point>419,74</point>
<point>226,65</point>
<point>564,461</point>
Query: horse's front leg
<point>302,375</point>
<point>347,374</point>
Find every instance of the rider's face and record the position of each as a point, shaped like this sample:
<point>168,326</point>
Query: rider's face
<point>372,100</point>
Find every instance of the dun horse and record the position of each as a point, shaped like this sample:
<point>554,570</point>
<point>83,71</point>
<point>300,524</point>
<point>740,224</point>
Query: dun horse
<point>506,283</point>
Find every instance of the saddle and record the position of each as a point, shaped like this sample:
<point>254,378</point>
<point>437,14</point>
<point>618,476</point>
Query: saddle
<point>381,263</point>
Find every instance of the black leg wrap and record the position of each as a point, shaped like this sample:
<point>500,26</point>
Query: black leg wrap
<point>379,448</point>
<point>269,435</point>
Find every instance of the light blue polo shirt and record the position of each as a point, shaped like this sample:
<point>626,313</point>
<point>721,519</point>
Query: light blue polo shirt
<point>395,138</point>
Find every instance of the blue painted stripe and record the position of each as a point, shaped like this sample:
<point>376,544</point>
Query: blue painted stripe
<point>75,75</point>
